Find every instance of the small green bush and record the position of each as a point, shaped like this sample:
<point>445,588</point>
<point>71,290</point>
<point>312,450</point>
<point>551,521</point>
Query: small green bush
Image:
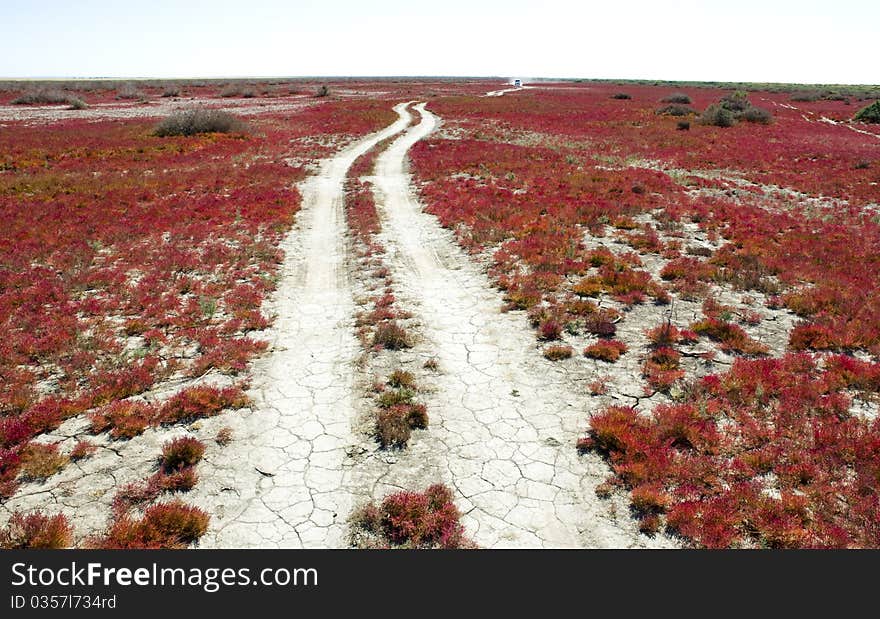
<point>677,97</point>
<point>192,122</point>
<point>736,102</point>
<point>42,96</point>
<point>129,90</point>
<point>717,116</point>
<point>757,115</point>
<point>869,114</point>
<point>675,110</point>
<point>621,95</point>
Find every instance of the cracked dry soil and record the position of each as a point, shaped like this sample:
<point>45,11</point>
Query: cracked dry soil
<point>503,420</point>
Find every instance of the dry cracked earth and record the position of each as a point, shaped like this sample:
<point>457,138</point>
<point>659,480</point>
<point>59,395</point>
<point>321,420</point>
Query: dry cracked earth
<point>504,420</point>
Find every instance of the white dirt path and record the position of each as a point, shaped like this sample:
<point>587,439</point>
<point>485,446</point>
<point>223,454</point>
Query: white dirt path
<point>282,481</point>
<point>503,422</point>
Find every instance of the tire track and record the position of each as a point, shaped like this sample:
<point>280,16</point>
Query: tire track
<point>282,481</point>
<point>503,422</point>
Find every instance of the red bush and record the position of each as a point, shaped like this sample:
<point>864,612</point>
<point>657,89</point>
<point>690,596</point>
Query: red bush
<point>606,350</point>
<point>182,452</point>
<point>164,525</point>
<point>36,530</point>
<point>426,519</point>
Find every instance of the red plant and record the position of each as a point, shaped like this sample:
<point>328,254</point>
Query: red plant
<point>426,519</point>
<point>705,462</point>
<point>606,350</point>
<point>164,525</point>
<point>36,530</point>
<point>182,452</point>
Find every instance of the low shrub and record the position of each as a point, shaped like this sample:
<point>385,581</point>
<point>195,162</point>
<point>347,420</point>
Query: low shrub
<point>224,436</point>
<point>732,337</point>
<point>736,102</point>
<point>621,95</point>
<point>322,91</point>
<point>675,110</point>
<point>129,91</point>
<point>401,378</point>
<point>683,125</point>
<point>178,481</point>
<point>42,96</point>
<point>394,425</point>
<point>426,519</point>
<point>677,97</point>
<point>391,336</point>
<point>606,350</point>
<point>557,353</point>
<point>201,401</point>
<point>124,418</point>
<point>182,452</point>
<point>83,450</point>
<point>869,114</point>
<point>165,525</point>
<point>806,97</point>
<point>196,121</point>
<point>36,530</point>
<point>757,115</point>
<point>392,397</point>
<point>717,116</point>
<point>41,460</point>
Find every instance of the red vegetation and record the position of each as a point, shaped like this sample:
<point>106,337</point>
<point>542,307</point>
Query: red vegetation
<point>160,253</point>
<point>557,352</point>
<point>426,519</point>
<point>128,418</point>
<point>164,525</point>
<point>606,350</point>
<point>182,452</point>
<point>36,530</point>
<point>767,454</point>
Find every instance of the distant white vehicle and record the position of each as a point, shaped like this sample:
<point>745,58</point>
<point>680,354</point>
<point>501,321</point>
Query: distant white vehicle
<point>517,83</point>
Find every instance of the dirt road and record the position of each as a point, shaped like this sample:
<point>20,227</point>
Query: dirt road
<point>281,483</point>
<point>504,421</point>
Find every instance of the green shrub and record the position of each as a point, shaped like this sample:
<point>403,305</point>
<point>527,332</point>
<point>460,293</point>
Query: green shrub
<point>757,115</point>
<point>675,110</point>
<point>42,96</point>
<point>192,122</point>
<point>718,116</point>
<point>736,102</point>
<point>621,95</point>
<point>677,97</point>
<point>129,91</point>
<point>869,114</point>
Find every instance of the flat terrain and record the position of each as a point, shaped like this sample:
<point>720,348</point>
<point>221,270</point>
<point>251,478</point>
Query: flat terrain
<point>596,316</point>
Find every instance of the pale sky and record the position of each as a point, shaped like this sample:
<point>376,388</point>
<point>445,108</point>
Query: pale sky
<point>745,40</point>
